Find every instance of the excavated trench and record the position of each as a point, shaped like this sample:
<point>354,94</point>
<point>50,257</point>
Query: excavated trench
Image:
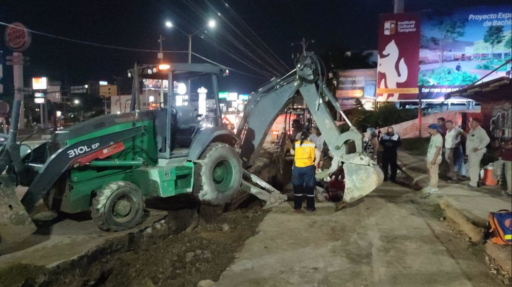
<point>182,249</point>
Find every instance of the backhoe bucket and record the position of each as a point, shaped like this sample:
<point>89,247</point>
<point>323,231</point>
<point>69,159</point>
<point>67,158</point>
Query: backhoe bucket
<point>362,176</point>
<point>15,223</point>
<point>360,180</point>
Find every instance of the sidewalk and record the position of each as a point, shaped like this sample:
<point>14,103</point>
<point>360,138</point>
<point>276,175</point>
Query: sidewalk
<point>468,208</point>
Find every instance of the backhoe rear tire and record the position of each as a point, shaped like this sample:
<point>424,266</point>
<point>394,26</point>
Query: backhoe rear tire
<point>117,206</point>
<point>218,174</point>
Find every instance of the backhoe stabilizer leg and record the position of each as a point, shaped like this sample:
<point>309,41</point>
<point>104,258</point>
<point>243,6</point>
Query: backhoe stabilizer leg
<point>267,193</point>
<point>15,223</point>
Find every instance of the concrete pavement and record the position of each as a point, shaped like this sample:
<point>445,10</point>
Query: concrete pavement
<point>468,208</point>
<point>381,240</point>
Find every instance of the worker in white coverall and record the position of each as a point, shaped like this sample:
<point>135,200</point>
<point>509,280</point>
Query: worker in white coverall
<point>476,142</point>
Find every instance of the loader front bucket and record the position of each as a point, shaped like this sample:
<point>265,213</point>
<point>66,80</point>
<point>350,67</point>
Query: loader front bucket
<point>15,223</point>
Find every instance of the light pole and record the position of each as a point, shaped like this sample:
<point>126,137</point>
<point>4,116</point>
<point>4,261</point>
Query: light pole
<point>168,24</point>
<point>210,24</point>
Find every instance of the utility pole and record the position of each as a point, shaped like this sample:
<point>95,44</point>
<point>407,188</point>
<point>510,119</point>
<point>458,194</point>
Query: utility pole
<point>304,44</point>
<point>399,6</point>
<point>161,57</point>
<point>189,61</point>
<point>19,115</point>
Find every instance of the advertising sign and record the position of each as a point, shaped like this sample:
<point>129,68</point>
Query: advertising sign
<point>399,41</point>
<point>53,93</point>
<point>39,83</point>
<point>460,47</point>
<point>243,97</point>
<point>17,37</point>
<point>356,83</point>
<point>436,93</point>
<point>78,90</point>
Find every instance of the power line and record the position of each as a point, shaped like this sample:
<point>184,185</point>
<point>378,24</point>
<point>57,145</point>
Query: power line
<point>221,46</point>
<point>95,44</point>
<point>197,10</point>
<point>127,48</point>
<point>239,19</point>
<point>231,69</point>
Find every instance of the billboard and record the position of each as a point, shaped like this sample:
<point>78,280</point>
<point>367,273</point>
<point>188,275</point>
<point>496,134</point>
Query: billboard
<point>399,42</point>
<point>39,83</point>
<point>462,46</point>
<point>154,84</point>
<point>356,83</point>
<point>79,89</point>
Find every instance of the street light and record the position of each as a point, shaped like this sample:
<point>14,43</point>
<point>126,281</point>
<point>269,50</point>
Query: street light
<point>168,24</point>
<point>211,23</point>
<point>77,102</point>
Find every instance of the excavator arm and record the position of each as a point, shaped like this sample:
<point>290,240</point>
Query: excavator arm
<point>362,175</point>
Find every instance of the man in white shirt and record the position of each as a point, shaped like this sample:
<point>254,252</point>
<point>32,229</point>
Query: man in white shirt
<point>476,142</point>
<point>317,138</point>
<point>451,142</point>
<point>434,157</point>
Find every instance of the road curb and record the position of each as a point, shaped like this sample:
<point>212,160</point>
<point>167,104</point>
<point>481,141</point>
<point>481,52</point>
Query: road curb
<point>473,228</point>
<point>475,232</point>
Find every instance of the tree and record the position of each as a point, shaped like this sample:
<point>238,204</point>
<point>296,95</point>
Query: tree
<point>508,43</point>
<point>450,29</point>
<point>494,36</point>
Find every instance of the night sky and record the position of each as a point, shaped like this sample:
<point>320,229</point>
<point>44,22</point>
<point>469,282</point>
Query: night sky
<point>138,24</point>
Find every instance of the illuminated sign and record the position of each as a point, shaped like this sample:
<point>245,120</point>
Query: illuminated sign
<point>39,83</point>
<point>103,83</point>
<point>243,97</point>
<point>39,100</point>
<point>39,95</point>
<point>223,95</point>
<point>232,96</point>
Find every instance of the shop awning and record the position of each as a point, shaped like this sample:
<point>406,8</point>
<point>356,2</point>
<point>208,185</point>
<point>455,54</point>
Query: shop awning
<point>498,89</point>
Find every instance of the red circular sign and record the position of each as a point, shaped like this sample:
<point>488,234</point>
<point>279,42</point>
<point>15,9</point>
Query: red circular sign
<point>17,37</point>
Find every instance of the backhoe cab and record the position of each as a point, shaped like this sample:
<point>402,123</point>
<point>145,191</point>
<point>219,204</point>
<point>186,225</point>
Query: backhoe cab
<point>110,164</point>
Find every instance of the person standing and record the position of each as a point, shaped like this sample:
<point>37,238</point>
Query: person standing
<point>451,144</point>
<point>434,157</point>
<point>390,141</point>
<point>371,144</point>
<point>303,174</point>
<point>506,156</point>
<point>297,128</point>
<point>476,142</point>
<point>317,138</point>
<point>441,124</point>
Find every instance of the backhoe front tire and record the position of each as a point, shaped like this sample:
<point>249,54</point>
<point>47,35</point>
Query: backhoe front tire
<point>218,174</point>
<point>117,206</point>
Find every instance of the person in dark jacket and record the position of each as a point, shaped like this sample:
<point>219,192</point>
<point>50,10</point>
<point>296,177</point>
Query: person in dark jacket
<point>390,141</point>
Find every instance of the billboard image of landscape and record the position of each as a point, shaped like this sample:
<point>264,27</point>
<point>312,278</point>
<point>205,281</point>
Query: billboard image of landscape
<point>461,47</point>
